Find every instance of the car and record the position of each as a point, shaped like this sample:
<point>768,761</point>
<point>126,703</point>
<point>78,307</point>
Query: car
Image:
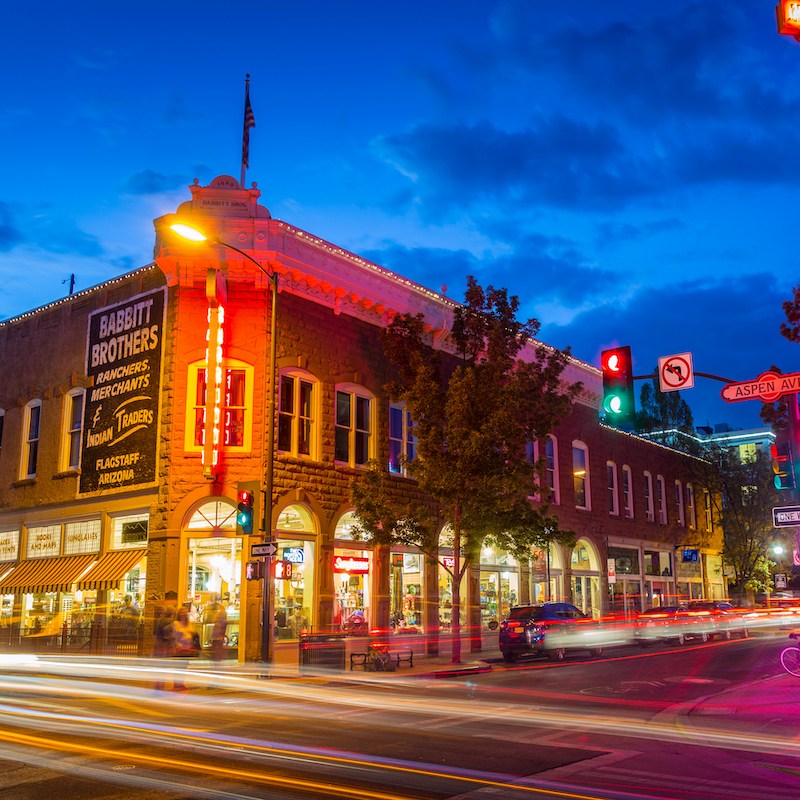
<point>549,629</point>
<point>672,624</point>
<point>728,620</point>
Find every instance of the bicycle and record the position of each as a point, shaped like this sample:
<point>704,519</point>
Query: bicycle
<point>790,657</point>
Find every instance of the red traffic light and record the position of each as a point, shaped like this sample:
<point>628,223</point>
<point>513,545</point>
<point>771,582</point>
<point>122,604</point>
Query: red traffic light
<point>618,401</point>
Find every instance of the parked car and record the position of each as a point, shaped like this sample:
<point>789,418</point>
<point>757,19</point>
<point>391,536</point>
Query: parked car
<point>672,624</point>
<point>728,620</point>
<point>551,629</point>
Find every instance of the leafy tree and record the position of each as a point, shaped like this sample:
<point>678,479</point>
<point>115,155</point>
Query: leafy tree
<point>473,415</point>
<point>666,412</point>
<point>743,495</point>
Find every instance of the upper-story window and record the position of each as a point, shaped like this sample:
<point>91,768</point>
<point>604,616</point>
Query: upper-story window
<point>691,515</point>
<point>627,492</point>
<point>30,446</point>
<point>2,420</point>
<point>661,499</point>
<point>297,414</point>
<point>580,475</point>
<point>353,443</point>
<point>551,469</point>
<point>680,515</point>
<point>613,489</point>
<point>402,442</point>
<point>73,428</point>
<point>649,504</point>
<point>707,511</point>
<point>235,406</point>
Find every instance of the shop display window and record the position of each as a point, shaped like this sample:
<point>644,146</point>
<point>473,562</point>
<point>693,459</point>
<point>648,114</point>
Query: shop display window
<point>351,610</point>
<point>405,590</point>
<point>294,597</point>
<point>129,531</point>
<point>213,579</point>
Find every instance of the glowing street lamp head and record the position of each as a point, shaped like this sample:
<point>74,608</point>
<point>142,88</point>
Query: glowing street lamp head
<point>188,232</point>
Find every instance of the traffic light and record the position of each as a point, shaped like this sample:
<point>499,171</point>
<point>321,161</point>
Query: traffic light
<point>244,512</point>
<point>782,465</point>
<point>618,401</point>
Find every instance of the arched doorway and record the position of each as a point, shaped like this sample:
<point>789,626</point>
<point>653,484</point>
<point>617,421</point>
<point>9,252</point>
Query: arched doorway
<point>585,581</point>
<point>213,571</point>
<point>295,572</point>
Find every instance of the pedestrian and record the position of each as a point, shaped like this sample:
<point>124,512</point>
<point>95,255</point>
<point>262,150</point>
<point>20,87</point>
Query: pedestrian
<point>185,642</point>
<point>219,632</point>
<point>162,633</point>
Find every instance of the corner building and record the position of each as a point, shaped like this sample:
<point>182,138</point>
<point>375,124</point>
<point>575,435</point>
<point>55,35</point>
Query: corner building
<point>131,412</point>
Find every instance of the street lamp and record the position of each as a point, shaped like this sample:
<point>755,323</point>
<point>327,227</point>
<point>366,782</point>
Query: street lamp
<point>194,235</point>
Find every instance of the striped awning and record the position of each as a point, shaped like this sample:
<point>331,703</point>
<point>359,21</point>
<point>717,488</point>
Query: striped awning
<point>46,574</point>
<point>111,568</point>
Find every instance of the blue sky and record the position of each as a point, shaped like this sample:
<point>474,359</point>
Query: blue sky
<point>629,169</point>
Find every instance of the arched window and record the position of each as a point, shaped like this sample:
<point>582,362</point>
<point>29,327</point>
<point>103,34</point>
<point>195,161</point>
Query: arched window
<point>72,430</point>
<point>580,475</point>
<point>627,491</point>
<point>298,414</point>
<point>613,489</point>
<point>661,499</point>
<point>30,442</point>
<point>354,442</point>
<point>649,501</point>
<point>551,469</point>
<point>680,515</point>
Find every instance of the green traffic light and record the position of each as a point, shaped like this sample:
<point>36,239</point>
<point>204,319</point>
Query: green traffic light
<point>613,404</point>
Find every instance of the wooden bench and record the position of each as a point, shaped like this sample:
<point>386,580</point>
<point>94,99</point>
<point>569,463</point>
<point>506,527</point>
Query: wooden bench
<point>366,660</point>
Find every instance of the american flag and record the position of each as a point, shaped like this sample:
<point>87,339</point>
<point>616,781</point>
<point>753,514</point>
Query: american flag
<point>249,122</point>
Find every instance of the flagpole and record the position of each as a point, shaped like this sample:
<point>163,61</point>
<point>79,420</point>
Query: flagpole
<point>249,122</point>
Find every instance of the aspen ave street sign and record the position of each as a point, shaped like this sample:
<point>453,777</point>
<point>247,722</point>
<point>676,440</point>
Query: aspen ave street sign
<point>786,516</point>
<point>767,387</point>
<point>265,549</point>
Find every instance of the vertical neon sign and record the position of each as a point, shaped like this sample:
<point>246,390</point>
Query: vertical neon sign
<point>215,339</point>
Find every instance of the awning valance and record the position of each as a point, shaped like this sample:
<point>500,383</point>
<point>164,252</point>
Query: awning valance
<point>46,574</point>
<point>111,568</point>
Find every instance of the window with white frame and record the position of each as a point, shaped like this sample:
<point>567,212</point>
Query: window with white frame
<point>661,499</point>
<point>353,443</point>
<point>708,511</point>
<point>649,503</point>
<point>297,414</point>
<point>30,445</point>
<point>580,475</point>
<point>627,491</point>
<point>73,428</point>
<point>613,489</point>
<point>235,406</point>
<point>402,442</point>
<point>691,515</point>
<point>129,530</point>
<point>82,537</point>
<point>680,516</point>
<point>551,469</point>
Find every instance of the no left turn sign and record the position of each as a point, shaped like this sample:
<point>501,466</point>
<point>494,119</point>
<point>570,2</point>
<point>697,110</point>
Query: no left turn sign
<point>675,372</point>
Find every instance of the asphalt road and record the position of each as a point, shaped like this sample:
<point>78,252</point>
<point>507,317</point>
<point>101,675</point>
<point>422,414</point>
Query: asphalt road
<point>663,722</point>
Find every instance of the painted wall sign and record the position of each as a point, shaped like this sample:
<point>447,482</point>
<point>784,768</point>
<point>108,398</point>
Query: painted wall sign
<point>120,423</point>
<point>355,566</point>
<point>767,387</point>
<point>9,545</point>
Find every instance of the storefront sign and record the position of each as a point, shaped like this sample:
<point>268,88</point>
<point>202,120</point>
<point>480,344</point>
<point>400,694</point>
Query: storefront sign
<point>44,542</point>
<point>9,545</point>
<point>351,564</point>
<point>448,562</point>
<point>82,537</point>
<point>294,554</point>
<point>120,423</point>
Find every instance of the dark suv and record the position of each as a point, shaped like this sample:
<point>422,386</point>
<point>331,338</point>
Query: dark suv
<point>550,628</point>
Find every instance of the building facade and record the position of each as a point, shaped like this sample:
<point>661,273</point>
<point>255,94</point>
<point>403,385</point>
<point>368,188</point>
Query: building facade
<point>131,413</point>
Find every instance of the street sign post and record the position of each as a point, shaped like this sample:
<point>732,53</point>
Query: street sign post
<point>263,549</point>
<point>767,387</point>
<point>786,516</point>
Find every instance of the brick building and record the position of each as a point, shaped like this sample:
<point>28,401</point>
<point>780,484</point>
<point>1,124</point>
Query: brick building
<point>131,412</point>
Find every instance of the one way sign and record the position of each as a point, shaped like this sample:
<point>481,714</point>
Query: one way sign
<point>265,549</point>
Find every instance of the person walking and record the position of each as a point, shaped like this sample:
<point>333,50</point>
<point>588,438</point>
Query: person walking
<point>219,635</point>
<point>185,643</point>
<point>162,639</point>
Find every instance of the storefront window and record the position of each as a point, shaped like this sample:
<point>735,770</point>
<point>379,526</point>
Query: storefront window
<point>351,570</point>
<point>129,531</point>
<point>499,586</point>
<point>294,594</point>
<point>405,590</point>
<point>214,572</point>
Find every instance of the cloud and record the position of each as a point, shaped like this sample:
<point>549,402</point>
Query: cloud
<point>730,327</point>
<point>10,235</point>
<point>148,181</point>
